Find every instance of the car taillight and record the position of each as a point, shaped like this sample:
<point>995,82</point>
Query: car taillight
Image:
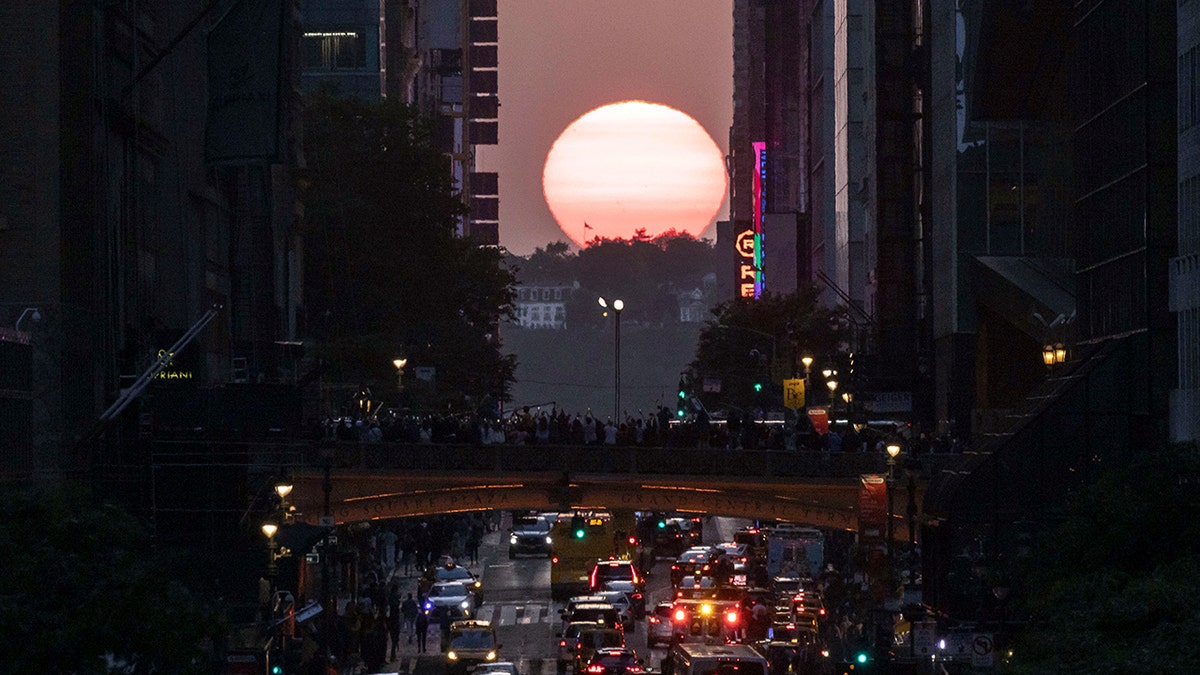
<point>731,618</point>
<point>595,668</point>
<point>633,669</point>
<point>680,615</point>
<point>652,619</point>
<point>562,643</point>
<point>554,560</point>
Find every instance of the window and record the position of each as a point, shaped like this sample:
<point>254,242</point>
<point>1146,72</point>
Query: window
<point>1187,90</point>
<point>334,50</point>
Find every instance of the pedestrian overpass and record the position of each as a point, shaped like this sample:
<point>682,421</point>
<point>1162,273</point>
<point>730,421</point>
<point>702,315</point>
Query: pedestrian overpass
<point>351,482</point>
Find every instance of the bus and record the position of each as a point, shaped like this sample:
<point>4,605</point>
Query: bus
<point>579,539</point>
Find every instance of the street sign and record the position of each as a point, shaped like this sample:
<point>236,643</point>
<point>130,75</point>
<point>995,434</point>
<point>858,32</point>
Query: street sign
<point>793,393</point>
<point>983,649</point>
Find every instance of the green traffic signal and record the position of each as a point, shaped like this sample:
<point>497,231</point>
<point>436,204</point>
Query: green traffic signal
<point>861,657</point>
<point>758,386</point>
<point>682,394</point>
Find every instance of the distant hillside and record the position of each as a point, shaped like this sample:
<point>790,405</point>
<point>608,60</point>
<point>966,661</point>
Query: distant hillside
<point>575,367</point>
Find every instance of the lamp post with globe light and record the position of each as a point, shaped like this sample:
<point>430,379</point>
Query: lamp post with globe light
<point>893,450</point>
<point>400,363</point>
<point>617,306</point>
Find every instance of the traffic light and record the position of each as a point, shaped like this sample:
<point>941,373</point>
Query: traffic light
<point>578,526</point>
<point>758,386</point>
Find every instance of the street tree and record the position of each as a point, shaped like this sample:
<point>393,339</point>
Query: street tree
<point>84,592</point>
<point>387,274</point>
<point>1113,588</point>
<point>751,342</point>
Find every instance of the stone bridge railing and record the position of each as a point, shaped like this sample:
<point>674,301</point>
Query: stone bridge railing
<point>618,460</point>
<point>549,459</point>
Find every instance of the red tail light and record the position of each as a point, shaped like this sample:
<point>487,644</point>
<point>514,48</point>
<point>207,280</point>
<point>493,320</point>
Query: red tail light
<point>554,560</point>
<point>633,541</point>
<point>731,618</point>
<point>638,596</point>
<point>680,615</point>
<point>562,643</point>
<point>633,669</point>
<point>595,668</point>
<point>652,619</point>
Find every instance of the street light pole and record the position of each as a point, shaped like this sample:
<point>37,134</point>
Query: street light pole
<point>893,449</point>
<point>617,306</point>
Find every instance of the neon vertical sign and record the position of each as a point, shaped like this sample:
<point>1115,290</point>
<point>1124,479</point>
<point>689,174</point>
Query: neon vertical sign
<point>750,243</point>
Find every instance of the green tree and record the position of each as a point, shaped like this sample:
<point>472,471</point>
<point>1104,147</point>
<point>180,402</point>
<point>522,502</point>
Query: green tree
<point>82,588</point>
<point>386,273</point>
<point>1113,589</point>
<point>749,341</point>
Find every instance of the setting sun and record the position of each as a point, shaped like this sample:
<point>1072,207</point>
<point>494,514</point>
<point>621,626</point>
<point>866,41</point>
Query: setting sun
<point>633,165</point>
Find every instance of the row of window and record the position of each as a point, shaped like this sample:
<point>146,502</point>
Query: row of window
<point>539,294</point>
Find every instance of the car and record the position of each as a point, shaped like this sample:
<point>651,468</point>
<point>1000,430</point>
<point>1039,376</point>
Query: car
<point>567,639</point>
<point>592,639</point>
<point>614,661</point>
<point>624,607</point>
<point>600,612</point>
<point>530,536</point>
<point>615,570</point>
<point>637,599</point>
<point>496,668</point>
<point>568,610</point>
<point>449,597</point>
<point>468,644</point>
<point>658,625</point>
<point>674,535</point>
<point>698,559</point>
<point>450,571</point>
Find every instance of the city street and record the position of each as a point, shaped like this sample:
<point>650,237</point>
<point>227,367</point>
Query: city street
<point>517,602</point>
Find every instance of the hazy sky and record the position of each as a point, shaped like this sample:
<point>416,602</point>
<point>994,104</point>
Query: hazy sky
<point>561,58</point>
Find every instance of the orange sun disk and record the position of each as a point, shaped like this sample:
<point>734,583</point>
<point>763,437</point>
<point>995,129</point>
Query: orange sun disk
<point>633,165</point>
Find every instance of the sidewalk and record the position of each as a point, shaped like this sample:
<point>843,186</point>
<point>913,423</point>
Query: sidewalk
<point>407,650</point>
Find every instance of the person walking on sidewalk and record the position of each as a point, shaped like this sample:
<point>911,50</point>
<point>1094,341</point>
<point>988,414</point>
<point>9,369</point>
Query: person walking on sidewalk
<point>422,630</point>
<point>409,612</point>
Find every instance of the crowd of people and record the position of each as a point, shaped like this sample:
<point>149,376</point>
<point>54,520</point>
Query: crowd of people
<point>536,426</point>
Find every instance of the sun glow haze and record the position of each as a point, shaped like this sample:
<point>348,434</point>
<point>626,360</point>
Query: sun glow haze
<point>633,165</point>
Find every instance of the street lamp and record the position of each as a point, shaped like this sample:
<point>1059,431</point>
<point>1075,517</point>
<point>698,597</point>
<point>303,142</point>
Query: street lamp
<point>893,449</point>
<point>807,361</point>
<point>617,306</point>
<point>269,529</point>
<point>34,311</point>
<point>400,363</point>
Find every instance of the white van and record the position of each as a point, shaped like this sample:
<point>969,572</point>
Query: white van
<point>697,659</point>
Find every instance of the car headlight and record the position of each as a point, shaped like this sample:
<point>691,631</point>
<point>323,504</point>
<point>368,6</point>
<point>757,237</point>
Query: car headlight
<point>465,604</point>
<point>549,541</point>
<point>491,655</point>
<point>451,655</point>
<point>478,584</point>
<point>513,540</point>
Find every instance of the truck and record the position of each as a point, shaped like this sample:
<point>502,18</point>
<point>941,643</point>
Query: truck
<point>795,551</point>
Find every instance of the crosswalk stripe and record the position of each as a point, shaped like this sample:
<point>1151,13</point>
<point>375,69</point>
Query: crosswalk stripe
<point>508,615</point>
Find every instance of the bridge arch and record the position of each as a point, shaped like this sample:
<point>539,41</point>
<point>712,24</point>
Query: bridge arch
<point>361,497</point>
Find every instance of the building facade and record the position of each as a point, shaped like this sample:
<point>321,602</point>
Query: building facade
<point>123,225</point>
